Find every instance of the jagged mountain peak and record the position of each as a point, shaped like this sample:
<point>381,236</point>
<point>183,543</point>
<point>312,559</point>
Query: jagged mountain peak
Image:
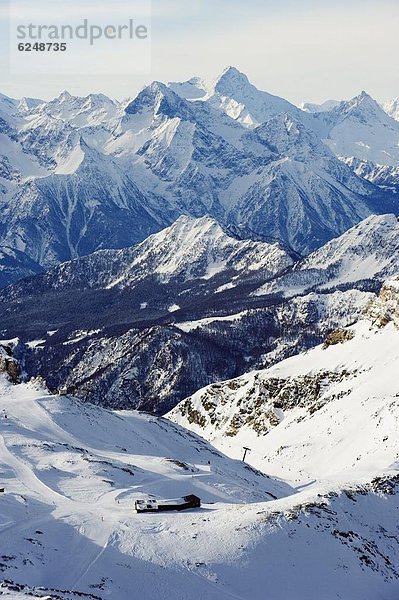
<point>65,96</point>
<point>99,97</point>
<point>80,111</point>
<point>244,102</point>
<point>362,108</point>
<point>158,98</point>
<point>157,88</point>
<point>98,102</point>
<point>153,91</point>
<point>363,102</point>
<point>192,230</point>
<point>364,97</point>
<point>360,128</point>
<point>26,104</point>
<point>185,231</point>
<point>201,223</point>
<point>199,248</point>
<point>231,81</point>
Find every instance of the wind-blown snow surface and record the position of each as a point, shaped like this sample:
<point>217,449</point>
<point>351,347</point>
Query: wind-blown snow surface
<point>71,473</point>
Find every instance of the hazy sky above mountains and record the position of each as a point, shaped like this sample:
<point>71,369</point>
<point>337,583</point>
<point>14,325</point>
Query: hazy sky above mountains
<point>300,49</point>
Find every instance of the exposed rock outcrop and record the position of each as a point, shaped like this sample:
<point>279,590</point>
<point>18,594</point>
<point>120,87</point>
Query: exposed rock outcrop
<point>260,402</point>
<point>385,308</point>
<point>8,364</point>
<point>339,336</point>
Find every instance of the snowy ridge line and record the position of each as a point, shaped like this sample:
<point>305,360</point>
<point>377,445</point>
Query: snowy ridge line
<point>118,172</point>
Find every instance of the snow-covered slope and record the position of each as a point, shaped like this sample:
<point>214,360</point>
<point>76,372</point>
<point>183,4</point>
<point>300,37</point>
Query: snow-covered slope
<point>362,129</point>
<point>241,100</point>
<point>15,264</point>
<point>316,108</point>
<point>330,414</point>
<point>391,107</point>
<point>368,251</point>
<point>71,473</point>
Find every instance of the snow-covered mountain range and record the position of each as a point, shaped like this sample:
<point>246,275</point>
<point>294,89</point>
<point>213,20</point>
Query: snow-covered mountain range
<point>210,252</point>
<point>80,174</point>
<point>319,420</point>
<point>362,129</point>
<point>189,306</point>
<point>189,250</point>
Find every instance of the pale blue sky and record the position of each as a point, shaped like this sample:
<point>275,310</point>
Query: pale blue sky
<point>300,49</point>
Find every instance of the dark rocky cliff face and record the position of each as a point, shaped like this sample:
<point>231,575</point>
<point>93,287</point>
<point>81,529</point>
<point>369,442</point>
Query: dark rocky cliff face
<point>8,364</point>
<point>154,365</point>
